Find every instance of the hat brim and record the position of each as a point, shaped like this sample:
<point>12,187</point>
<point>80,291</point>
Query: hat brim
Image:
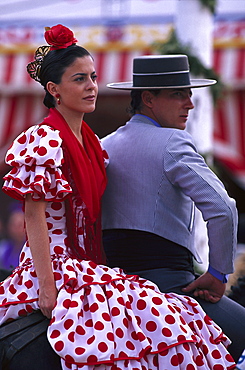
<point>129,85</point>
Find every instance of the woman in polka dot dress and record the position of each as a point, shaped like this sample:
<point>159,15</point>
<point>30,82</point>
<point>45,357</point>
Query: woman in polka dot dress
<point>101,318</point>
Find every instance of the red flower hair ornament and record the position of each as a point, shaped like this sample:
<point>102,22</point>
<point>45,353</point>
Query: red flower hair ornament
<point>58,37</point>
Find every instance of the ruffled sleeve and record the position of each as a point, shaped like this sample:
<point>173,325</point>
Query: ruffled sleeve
<point>36,156</point>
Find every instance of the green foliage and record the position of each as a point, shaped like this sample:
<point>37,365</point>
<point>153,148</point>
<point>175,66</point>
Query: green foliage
<point>173,46</point>
<point>210,4</point>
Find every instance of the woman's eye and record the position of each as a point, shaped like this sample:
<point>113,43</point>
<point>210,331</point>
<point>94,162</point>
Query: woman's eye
<point>94,77</point>
<point>79,79</point>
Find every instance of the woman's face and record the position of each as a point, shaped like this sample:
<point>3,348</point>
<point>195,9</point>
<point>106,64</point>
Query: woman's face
<point>78,88</point>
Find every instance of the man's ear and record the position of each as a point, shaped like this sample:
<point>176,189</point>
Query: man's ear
<point>52,88</point>
<point>146,98</point>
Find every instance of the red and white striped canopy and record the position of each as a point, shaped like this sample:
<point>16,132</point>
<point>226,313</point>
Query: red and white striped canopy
<point>115,66</point>
<point>230,64</point>
<point>17,112</point>
<point>112,66</point>
<point>229,134</point>
<point>229,116</point>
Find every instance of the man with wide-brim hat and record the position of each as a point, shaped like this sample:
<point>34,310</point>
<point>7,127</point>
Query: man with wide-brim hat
<point>156,178</point>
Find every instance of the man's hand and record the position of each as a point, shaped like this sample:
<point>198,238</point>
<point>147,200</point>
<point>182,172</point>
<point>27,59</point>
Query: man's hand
<point>206,287</point>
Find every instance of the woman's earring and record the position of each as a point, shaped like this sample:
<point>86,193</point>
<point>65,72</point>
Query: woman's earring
<point>58,98</point>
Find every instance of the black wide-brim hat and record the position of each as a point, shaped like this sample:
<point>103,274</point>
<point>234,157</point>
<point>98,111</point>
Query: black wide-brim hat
<point>161,72</point>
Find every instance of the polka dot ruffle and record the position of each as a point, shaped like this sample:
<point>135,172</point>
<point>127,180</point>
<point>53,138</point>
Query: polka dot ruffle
<point>36,156</point>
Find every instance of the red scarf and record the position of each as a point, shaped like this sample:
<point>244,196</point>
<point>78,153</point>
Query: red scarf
<point>84,169</point>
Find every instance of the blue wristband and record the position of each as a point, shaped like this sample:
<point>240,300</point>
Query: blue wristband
<point>218,275</point>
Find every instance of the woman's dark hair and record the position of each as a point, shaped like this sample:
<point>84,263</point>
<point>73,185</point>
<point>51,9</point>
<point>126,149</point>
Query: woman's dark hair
<point>54,65</point>
<point>136,100</point>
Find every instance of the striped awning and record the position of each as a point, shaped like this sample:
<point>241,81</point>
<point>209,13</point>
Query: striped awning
<point>17,113</point>
<point>229,116</point>
<point>230,64</point>
<point>111,66</point>
<point>14,78</point>
<point>229,134</point>
<point>115,66</point>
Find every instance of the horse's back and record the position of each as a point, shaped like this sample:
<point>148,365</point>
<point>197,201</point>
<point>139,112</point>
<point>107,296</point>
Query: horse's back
<point>24,345</point>
<point>37,355</point>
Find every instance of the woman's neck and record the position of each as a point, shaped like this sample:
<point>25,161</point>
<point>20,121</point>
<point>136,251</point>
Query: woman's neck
<point>75,123</point>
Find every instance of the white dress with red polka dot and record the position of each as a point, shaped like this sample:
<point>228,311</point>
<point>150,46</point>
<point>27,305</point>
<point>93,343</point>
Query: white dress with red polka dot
<point>103,318</point>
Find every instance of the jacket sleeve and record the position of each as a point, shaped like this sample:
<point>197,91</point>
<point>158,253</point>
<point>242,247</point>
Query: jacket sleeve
<point>186,169</point>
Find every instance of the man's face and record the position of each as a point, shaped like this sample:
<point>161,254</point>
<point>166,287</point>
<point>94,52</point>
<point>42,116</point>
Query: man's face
<point>170,108</point>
